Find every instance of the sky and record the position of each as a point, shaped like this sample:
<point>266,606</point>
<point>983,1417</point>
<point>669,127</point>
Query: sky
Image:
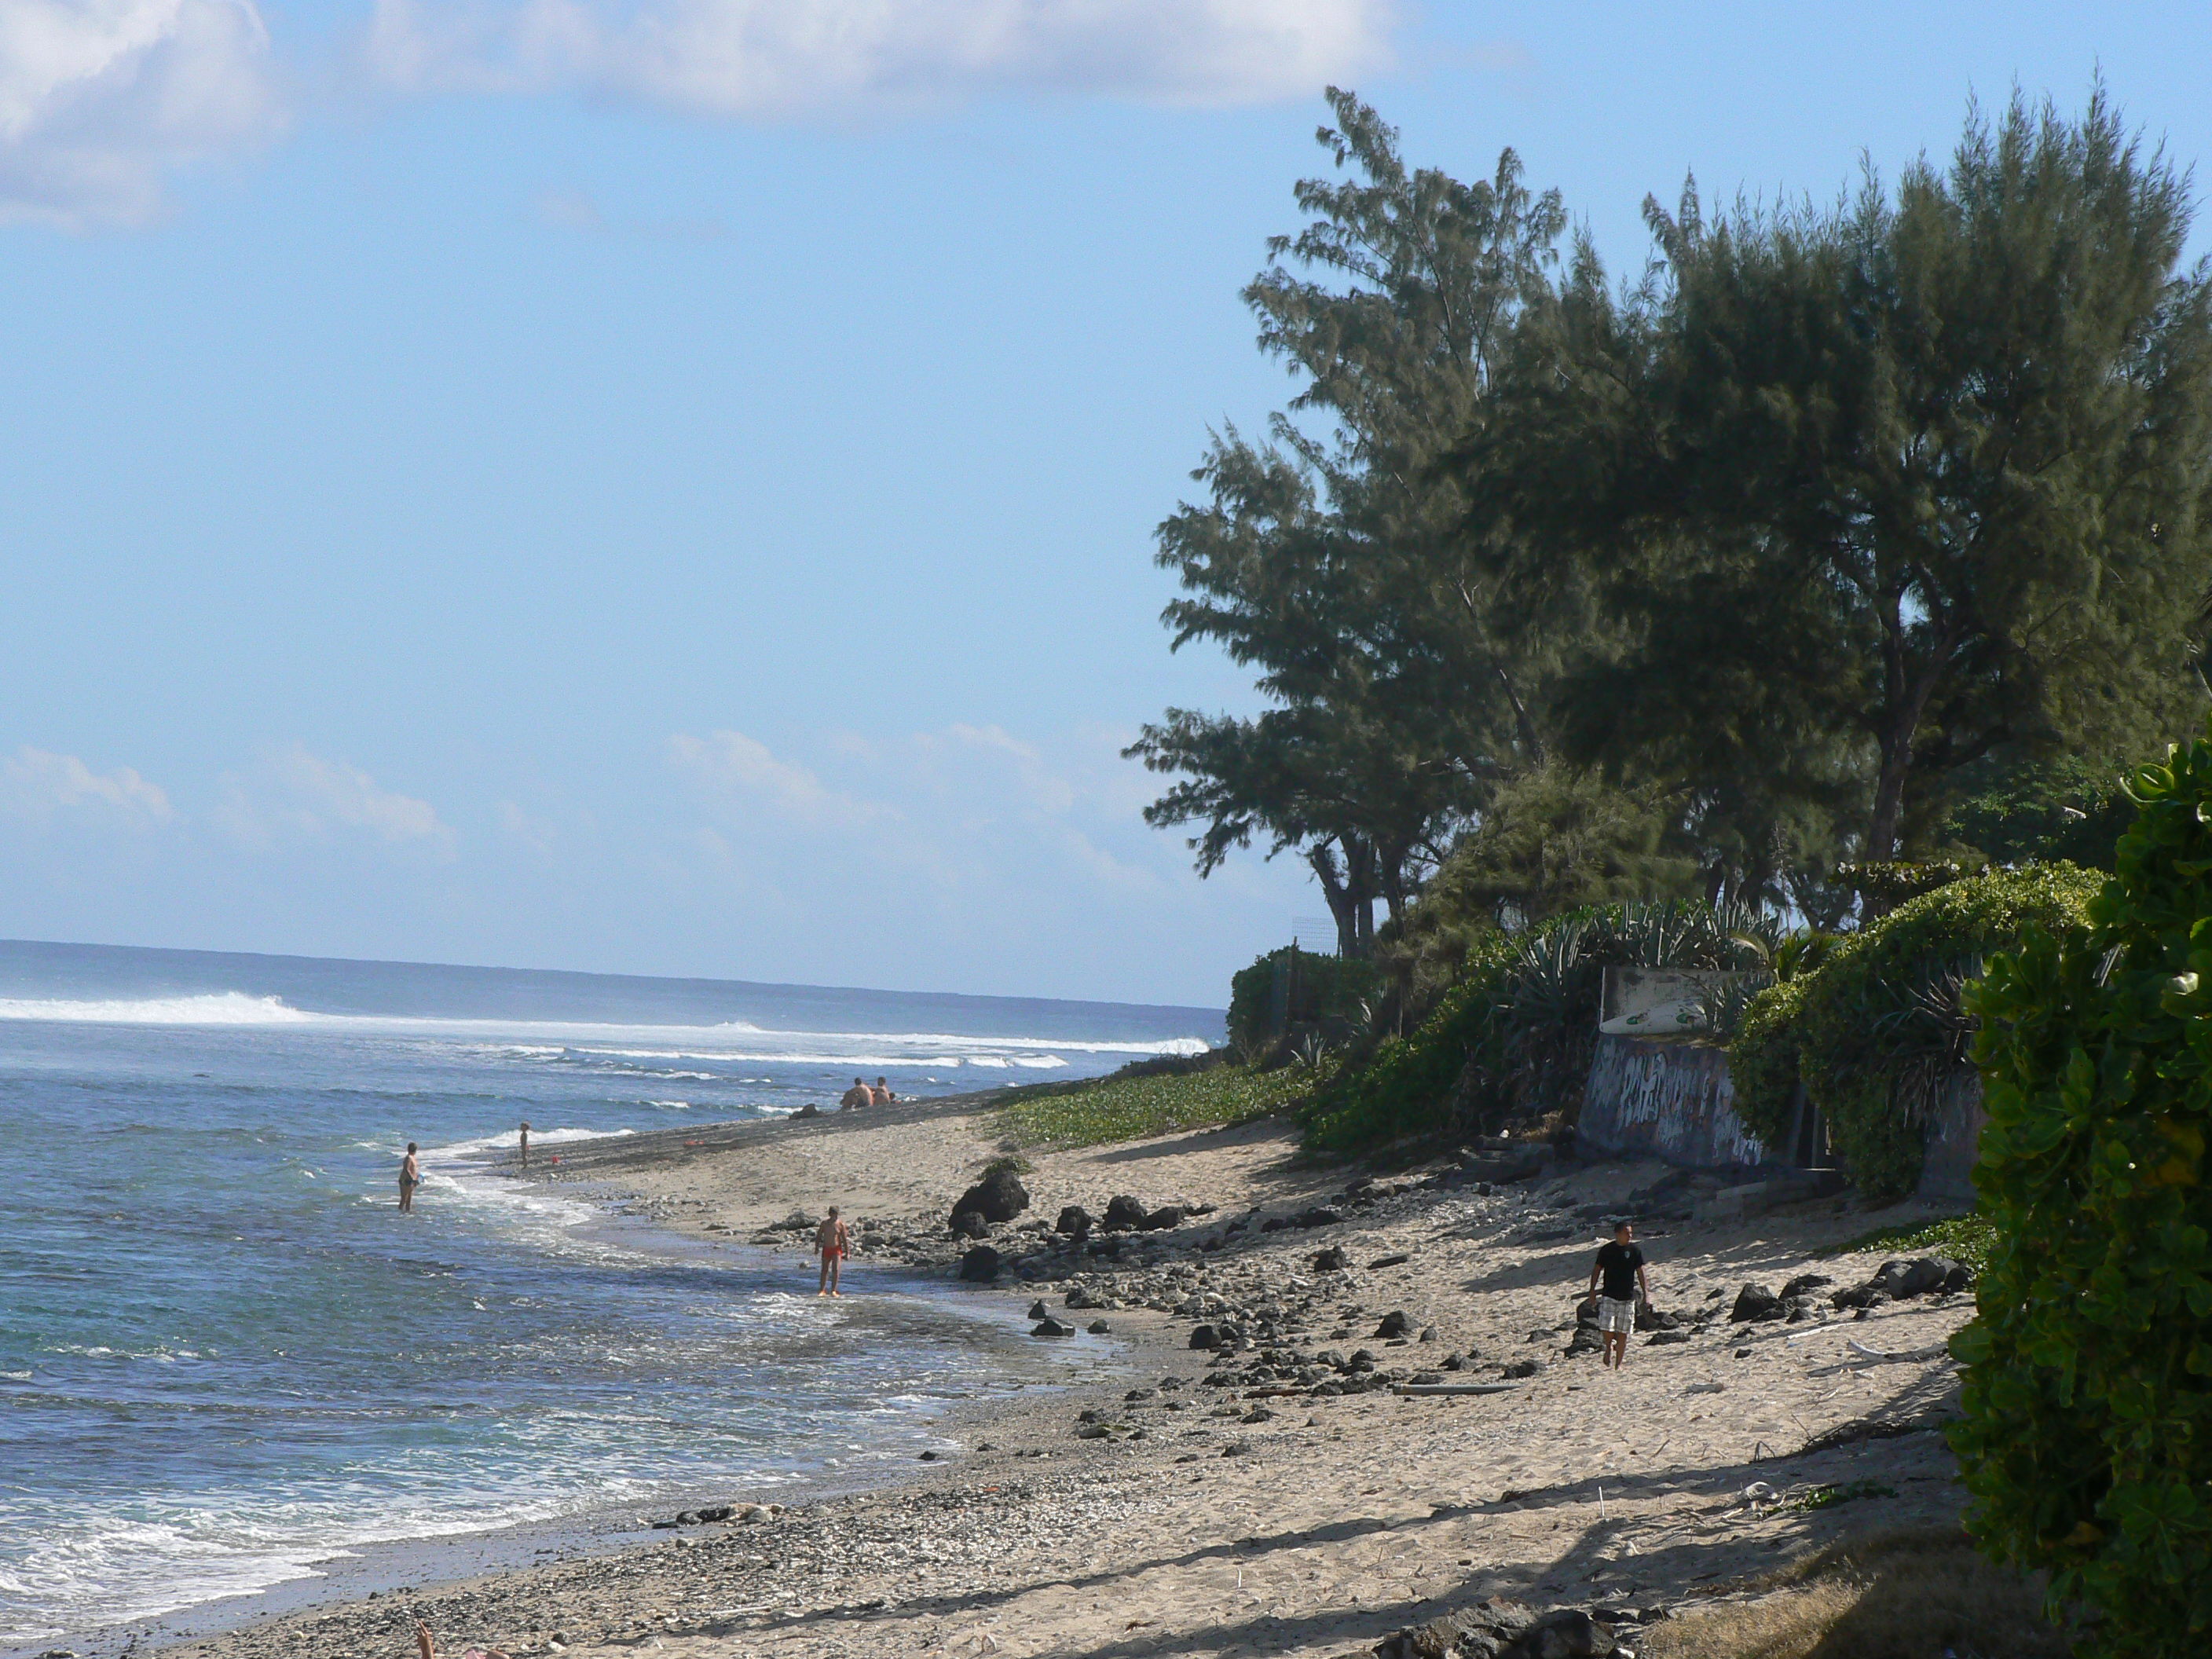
<point>668,486</point>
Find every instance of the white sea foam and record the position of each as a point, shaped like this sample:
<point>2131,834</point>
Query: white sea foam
<point>504,1142</point>
<point>104,1568</point>
<point>216,1008</point>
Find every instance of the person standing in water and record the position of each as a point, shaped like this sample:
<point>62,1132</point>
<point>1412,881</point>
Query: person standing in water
<point>858,1095</point>
<point>1620,1264</point>
<point>526,1143</point>
<point>832,1241</point>
<point>411,1177</point>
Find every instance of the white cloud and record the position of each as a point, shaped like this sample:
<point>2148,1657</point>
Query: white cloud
<point>300,793</point>
<point>36,784</point>
<point>781,57</point>
<point>735,765</point>
<point>99,99</point>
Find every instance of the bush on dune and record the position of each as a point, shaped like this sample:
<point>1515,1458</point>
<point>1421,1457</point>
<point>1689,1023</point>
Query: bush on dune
<point>2086,1441</point>
<point>1878,1028</point>
<point>1512,1038</point>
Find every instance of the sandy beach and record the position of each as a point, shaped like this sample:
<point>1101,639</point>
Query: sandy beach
<point>1279,1497</point>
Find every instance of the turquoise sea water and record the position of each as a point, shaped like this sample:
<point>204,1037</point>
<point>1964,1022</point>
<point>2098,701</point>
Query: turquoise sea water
<point>224,1355</point>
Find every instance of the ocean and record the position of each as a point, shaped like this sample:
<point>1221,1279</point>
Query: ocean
<point>225,1361</point>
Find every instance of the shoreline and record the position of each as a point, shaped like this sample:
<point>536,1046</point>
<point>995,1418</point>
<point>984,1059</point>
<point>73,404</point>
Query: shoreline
<point>1358,1511</point>
<point>357,1571</point>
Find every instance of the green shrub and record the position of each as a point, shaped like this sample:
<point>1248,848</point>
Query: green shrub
<point>2042,810</point>
<point>1514,1037</point>
<point>2087,1441</point>
<point>1405,1087</point>
<point>1129,1106</point>
<point>1877,1028</point>
<point>1328,989</point>
<point>1763,1059</point>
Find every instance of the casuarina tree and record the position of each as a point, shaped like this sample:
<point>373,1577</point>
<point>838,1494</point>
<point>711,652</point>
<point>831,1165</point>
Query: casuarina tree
<point>1877,491</point>
<point>1326,559</point>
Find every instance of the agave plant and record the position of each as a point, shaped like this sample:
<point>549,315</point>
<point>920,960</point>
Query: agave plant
<point>1722,1002</point>
<point>1550,1013</point>
<point>1917,1034</point>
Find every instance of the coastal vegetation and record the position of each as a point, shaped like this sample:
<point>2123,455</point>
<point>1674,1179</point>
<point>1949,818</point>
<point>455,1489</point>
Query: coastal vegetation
<point>1147,1097</point>
<point>1792,610</point>
<point>1847,536</point>
<point>2086,1444</point>
<point>1964,1239</point>
<point>1509,1036</point>
<point>1877,1030</point>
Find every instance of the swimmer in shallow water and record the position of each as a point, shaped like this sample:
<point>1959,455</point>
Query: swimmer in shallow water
<point>411,1177</point>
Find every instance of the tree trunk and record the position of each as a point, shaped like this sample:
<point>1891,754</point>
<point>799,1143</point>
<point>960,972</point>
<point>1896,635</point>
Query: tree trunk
<point>1896,754</point>
<point>1347,908</point>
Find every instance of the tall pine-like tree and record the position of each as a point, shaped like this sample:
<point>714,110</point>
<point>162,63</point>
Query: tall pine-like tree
<point>1879,490</point>
<point>1328,559</point>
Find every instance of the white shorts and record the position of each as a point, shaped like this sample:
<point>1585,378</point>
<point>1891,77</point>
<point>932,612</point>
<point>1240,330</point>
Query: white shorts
<point>1616,1316</point>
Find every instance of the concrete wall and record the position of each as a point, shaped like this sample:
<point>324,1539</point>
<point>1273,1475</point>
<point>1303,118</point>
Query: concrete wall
<point>1669,1100</point>
<point>1673,1100</point>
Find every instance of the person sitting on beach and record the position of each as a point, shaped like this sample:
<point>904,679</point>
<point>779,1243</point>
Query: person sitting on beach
<point>1620,1264</point>
<point>831,1239</point>
<point>526,1143</point>
<point>881,1095</point>
<point>411,1177</point>
<point>859,1095</point>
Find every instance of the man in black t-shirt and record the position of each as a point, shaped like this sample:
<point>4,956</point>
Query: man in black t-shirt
<point>1620,1265</point>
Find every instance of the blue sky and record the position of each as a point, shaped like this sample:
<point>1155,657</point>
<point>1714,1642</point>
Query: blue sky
<point>666,486</point>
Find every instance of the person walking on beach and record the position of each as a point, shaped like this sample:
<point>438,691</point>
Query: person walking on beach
<point>411,1177</point>
<point>881,1095</point>
<point>859,1095</point>
<point>1620,1265</point>
<point>832,1241</point>
<point>526,1143</point>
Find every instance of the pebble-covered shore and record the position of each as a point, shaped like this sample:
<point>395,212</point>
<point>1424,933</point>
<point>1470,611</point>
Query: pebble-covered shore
<point>1268,1490</point>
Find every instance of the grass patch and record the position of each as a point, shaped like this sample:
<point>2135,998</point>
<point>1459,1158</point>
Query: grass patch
<point>1913,1593</point>
<point>1964,1239</point>
<point>1121,1108</point>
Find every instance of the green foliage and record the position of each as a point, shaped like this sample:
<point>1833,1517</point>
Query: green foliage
<point>1512,1037</point>
<point>2086,1441</point>
<point>1330,990</point>
<point>1876,1030</point>
<point>1886,885</point>
<point>1558,840</point>
<point>1848,1492</point>
<point>1964,1239</point>
<point>1407,1086</point>
<point>1130,1107</point>
<point>1329,566</point>
<point>2040,812</point>
<point>1873,490</point>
